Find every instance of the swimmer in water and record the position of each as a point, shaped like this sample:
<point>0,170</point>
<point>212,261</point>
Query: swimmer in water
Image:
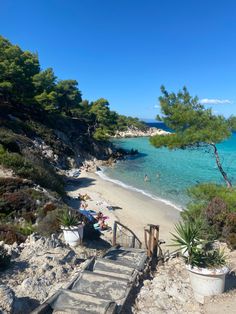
<point>146,178</point>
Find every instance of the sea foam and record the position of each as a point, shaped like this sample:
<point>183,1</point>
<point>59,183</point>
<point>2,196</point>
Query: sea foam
<point>103,176</point>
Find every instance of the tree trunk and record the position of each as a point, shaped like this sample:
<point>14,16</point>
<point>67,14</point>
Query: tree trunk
<point>224,175</point>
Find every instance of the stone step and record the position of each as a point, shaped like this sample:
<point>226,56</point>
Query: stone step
<point>103,286</point>
<point>135,258</point>
<point>71,302</point>
<point>113,268</point>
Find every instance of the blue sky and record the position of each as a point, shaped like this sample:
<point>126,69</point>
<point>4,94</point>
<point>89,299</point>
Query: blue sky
<point>123,50</point>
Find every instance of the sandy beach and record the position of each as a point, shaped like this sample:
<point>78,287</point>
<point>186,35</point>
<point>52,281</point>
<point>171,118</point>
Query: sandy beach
<point>131,208</point>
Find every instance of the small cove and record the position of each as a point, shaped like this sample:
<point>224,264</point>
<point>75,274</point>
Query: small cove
<point>170,173</point>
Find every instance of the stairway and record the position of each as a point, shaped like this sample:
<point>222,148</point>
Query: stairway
<point>102,287</point>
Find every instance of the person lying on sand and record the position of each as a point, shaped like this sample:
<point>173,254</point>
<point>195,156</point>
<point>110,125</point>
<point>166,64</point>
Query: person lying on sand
<point>84,205</point>
<point>100,216</point>
<point>101,225</point>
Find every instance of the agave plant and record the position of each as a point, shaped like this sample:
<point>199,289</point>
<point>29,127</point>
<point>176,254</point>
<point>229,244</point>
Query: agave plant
<point>195,251</point>
<point>68,218</point>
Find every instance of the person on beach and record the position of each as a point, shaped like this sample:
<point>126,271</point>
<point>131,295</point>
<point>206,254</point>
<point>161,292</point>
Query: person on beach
<point>84,205</point>
<point>146,178</point>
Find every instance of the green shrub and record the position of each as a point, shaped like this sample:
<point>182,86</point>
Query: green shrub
<point>9,140</point>
<point>26,229</point>
<point>231,240</point>
<point>49,224</point>
<point>9,185</point>
<point>5,258</point>
<point>204,193</point>
<point>17,202</point>
<point>9,234</point>
<point>215,207</point>
<point>68,218</point>
<point>195,251</point>
<point>229,230</point>
<point>215,215</point>
<point>34,169</point>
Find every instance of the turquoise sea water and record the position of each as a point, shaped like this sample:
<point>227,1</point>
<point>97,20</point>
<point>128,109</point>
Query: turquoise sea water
<point>170,173</point>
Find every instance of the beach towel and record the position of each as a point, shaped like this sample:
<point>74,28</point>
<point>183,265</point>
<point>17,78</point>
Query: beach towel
<point>87,214</point>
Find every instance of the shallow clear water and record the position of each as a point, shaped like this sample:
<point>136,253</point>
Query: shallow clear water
<point>170,173</point>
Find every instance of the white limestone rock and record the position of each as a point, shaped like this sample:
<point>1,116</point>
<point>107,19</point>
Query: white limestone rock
<point>7,297</point>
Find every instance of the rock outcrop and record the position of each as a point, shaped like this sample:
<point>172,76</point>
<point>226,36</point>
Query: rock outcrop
<point>39,267</point>
<point>168,292</point>
<point>134,132</point>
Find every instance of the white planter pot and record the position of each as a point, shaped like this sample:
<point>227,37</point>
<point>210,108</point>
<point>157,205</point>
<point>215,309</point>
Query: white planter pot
<point>73,235</point>
<point>207,282</point>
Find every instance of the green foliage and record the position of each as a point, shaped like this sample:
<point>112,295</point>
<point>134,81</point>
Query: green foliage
<point>106,122</point>
<point>195,251</point>
<point>9,234</point>
<point>204,193</point>
<point>193,125</point>
<point>100,108</point>
<point>16,202</point>
<point>68,218</point>
<point>187,239</point>
<point>47,100</point>
<point>68,95</point>
<point>232,123</point>
<point>208,258</point>
<point>9,140</point>
<point>21,81</point>
<point>17,69</point>
<point>229,230</point>
<point>35,169</point>
<point>214,206</point>
<point>44,81</point>
<point>26,229</point>
<point>5,258</point>
<point>49,224</point>
<point>124,122</point>
<point>191,122</point>
<point>101,134</point>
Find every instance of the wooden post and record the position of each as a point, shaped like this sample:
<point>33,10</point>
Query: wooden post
<point>146,232</point>
<point>133,241</point>
<point>114,234</point>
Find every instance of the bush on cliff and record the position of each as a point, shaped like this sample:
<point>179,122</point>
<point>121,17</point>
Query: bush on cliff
<point>34,169</point>
<point>9,234</point>
<point>214,206</point>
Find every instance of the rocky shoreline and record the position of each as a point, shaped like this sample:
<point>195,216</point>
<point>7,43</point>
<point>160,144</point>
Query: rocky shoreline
<point>135,132</point>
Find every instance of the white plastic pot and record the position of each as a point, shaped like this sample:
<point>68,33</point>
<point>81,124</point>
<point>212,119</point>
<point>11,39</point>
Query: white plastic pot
<point>73,235</point>
<point>207,282</point>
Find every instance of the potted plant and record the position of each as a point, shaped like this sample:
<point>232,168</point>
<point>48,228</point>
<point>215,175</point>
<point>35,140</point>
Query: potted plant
<point>206,264</point>
<point>73,228</point>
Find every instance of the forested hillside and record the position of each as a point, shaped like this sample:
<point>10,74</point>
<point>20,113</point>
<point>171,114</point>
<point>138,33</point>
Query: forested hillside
<point>46,128</point>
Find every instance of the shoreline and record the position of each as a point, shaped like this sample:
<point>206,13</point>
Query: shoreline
<point>102,175</point>
<point>132,208</point>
